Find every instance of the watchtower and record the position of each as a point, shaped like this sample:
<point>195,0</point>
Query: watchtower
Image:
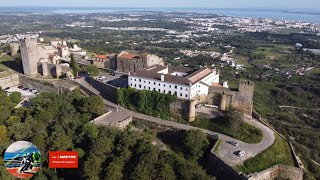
<point>29,55</point>
<point>245,96</point>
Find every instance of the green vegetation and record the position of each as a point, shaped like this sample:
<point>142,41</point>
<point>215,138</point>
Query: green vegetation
<point>61,122</point>
<point>216,146</point>
<point>15,97</point>
<point>147,102</point>
<point>92,70</point>
<point>75,67</point>
<point>278,153</point>
<point>231,125</point>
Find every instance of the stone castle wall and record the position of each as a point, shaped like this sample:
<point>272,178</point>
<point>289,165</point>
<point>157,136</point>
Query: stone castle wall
<point>278,172</point>
<point>241,100</point>
<point>131,65</point>
<point>136,64</point>
<point>9,81</point>
<point>107,91</point>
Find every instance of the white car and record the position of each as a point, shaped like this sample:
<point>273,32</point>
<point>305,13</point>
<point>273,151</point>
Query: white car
<point>241,153</point>
<point>100,78</point>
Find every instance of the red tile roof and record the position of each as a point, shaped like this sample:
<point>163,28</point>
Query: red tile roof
<point>101,56</point>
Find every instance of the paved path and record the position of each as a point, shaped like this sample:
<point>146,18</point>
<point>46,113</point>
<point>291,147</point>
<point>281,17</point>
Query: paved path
<point>226,150</point>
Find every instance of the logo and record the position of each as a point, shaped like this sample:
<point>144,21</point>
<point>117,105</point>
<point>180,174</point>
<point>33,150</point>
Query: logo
<point>63,159</point>
<point>22,159</point>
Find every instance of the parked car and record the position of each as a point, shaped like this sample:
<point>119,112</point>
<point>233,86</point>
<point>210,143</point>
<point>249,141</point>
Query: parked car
<point>241,153</point>
<point>100,78</point>
<point>215,136</point>
<point>7,88</point>
<point>25,89</point>
<point>233,143</point>
<point>20,87</point>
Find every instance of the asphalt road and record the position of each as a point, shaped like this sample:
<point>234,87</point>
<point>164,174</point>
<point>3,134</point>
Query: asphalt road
<point>226,151</point>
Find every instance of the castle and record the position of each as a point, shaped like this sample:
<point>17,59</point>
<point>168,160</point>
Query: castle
<point>129,62</point>
<point>241,100</point>
<point>44,59</point>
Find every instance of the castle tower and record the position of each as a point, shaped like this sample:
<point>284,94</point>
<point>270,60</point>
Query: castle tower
<point>223,103</point>
<point>192,110</point>
<point>245,96</point>
<point>29,55</point>
<point>14,48</point>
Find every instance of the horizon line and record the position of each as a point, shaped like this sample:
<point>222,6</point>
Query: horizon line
<point>137,7</point>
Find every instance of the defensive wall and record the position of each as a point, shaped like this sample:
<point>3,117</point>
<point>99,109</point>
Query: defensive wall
<point>48,85</point>
<point>9,81</point>
<point>107,91</point>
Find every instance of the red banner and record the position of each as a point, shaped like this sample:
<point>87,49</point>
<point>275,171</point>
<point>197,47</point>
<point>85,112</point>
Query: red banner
<point>63,159</point>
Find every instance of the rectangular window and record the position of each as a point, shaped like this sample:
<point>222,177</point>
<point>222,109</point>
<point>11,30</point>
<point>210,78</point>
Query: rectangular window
<point>131,84</point>
<point>144,87</point>
<point>154,83</point>
<point>139,80</point>
<point>139,85</point>
<point>180,94</point>
<point>169,86</point>
<point>164,85</point>
<point>175,87</point>
<point>186,95</point>
<point>180,88</point>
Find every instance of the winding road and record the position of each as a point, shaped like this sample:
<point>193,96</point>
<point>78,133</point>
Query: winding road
<point>226,151</point>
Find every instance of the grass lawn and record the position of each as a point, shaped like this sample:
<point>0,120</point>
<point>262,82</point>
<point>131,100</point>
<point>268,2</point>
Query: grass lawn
<point>278,153</point>
<point>216,146</point>
<point>246,132</point>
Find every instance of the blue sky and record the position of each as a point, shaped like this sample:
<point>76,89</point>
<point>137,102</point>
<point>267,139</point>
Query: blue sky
<point>278,4</point>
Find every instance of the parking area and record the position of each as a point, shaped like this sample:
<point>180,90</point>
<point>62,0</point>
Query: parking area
<point>25,92</point>
<point>117,80</point>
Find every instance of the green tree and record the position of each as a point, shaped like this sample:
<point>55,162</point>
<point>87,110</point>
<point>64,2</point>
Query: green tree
<point>233,119</point>
<point>12,120</point>
<point>93,105</point>
<point>92,167</point>
<point>5,113</point>
<point>58,139</point>
<point>92,70</point>
<point>194,143</point>
<point>19,131</point>
<point>114,170</point>
<point>74,66</point>
<point>3,133</point>
<point>15,97</point>
<point>165,172</point>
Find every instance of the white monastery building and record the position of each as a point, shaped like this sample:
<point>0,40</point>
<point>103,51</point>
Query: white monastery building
<point>183,82</point>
